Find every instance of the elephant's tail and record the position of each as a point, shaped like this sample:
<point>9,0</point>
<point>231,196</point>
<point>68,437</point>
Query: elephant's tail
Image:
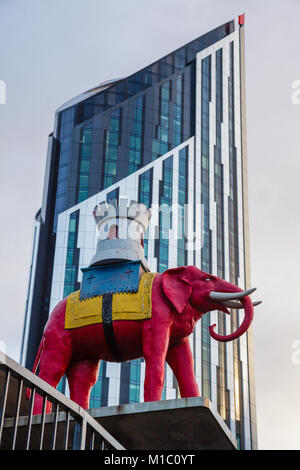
<point>35,366</point>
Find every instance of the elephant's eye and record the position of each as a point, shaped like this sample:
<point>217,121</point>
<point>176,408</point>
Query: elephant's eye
<point>207,279</point>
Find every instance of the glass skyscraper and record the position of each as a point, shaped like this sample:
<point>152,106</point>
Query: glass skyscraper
<point>171,134</point>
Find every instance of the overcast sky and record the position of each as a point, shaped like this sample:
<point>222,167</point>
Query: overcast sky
<point>52,50</point>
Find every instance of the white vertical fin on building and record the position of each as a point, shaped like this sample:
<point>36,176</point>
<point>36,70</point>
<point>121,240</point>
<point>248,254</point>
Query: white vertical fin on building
<point>243,339</point>
<point>59,265</point>
<point>226,187</point>
<point>173,231</point>
<point>213,219</point>
<point>191,205</point>
<point>189,214</point>
<point>199,212</point>
<point>154,224</point>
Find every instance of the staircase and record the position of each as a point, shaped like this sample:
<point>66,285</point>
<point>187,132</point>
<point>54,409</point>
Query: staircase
<point>68,427</point>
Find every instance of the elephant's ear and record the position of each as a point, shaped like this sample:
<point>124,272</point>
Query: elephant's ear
<point>176,287</point>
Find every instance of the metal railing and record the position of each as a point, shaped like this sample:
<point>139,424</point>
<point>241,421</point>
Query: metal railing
<point>67,427</point>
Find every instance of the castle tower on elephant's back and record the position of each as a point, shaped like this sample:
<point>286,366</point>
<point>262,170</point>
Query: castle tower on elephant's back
<point>172,137</point>
<point>121,232</point>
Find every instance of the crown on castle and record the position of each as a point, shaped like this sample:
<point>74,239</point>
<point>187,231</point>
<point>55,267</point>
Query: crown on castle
<point>130,220</point>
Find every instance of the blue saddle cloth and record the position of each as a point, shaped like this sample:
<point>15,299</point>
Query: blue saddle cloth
<point>110,279</point>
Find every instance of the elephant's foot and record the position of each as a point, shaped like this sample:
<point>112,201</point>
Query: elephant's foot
<point>152,396</point>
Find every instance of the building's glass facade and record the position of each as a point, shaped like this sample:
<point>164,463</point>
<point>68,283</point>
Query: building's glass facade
<point>158,114</point>
<point>165,129</point>
<point>182,201</point>
<point>145,197</point>
<point>84,162</point>
<point>136,138</point>
<point>72,258</point>
<point>99,393</point>
<point>165,215</point>
<point>111,148</point>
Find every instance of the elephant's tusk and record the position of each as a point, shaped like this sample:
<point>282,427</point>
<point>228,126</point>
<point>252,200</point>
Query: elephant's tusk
<point>231,304</point>
<point>237,305</point>
<point>230,296</point>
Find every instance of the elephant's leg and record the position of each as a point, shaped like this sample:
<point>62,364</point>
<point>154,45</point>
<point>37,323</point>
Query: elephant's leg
<point>82,376</point>
<point>154,378</point>
<point>155,352</point>
<point>181,361</point>
<point>55,358</point>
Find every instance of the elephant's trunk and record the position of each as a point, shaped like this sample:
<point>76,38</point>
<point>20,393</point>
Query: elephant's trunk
<point>248,307</point>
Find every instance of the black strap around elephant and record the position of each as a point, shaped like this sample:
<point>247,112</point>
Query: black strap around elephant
<point>109,329</point>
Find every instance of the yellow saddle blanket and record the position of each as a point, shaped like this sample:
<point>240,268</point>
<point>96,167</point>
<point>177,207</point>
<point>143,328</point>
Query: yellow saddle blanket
<point>125,306</point>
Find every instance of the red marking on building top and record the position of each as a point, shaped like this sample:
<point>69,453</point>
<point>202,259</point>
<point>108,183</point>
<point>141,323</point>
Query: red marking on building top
<point>242,19</point>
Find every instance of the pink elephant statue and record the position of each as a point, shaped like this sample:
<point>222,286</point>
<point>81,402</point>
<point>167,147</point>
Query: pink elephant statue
<point>180,297</point>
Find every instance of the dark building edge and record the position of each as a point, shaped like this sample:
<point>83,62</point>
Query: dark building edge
<point>45,254</point>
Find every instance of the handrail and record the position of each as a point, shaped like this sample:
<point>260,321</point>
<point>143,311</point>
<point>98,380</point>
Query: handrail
<point>17,431</point>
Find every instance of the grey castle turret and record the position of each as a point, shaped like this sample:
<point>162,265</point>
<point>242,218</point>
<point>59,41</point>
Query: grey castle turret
<point>121,232</point>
